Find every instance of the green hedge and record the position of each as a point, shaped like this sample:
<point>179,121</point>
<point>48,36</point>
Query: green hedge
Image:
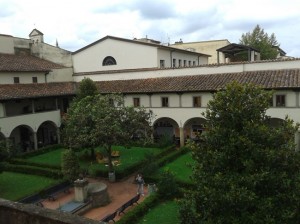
<point>40,151</point>
<point>39,171</point>
<point>134,215</point>
<point>18,161</point>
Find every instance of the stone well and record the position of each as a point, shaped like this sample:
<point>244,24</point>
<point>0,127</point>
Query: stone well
<point>98,193</point>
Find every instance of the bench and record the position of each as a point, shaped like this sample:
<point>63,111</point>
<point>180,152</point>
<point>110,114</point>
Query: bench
<point>110,217</point>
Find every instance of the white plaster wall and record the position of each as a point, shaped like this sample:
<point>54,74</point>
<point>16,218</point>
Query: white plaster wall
<point>202,70</point>
<point>7,124</point>
<point>290,98</point>
<point>144,99</point>
<point>24,77</point>
<point>173,99</point>
<point>182,56</point>
<point>6,44</point>
<point>187,99</point>
<point>60,75</point>
<point>164,54</point>
<point>127,55</point>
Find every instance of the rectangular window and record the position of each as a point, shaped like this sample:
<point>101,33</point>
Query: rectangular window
<point>34,80</point>
<point>162,63</point>
<point>165,102</point>
<point>190,63</point>
<point>197,101</point>
<point>194,63</point>
<point>111,102</point>
<point>184,63</point>
<point>179,62</point>
<point>136,102</point>
<point>16,80</point>
<point>174,62</point>
<point>280,100</point>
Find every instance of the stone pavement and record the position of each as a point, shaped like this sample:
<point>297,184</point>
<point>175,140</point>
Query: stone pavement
<point>119,193</point>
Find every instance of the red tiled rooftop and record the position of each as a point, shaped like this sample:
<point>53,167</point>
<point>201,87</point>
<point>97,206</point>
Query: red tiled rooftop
<point>271,79</point>
<point>25,63</point>
<point>21,91</point>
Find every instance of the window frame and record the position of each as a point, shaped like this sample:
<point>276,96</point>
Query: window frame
<point>136,101</point>
<point>174,62</point>
<point>164,101</point>
<point>197,104</point>
<point>16,80</point>
<point>108,61</point>
<point>34,79</point>
<point>280,100</point>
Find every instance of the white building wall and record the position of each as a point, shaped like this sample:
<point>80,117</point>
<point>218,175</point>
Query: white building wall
<point>144,99</point>
<point>127,55</point>
<point>24,77</point>
<point>187,99</point>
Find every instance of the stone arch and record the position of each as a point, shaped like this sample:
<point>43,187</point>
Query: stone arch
<point>22,138</point>
<point>47,134</point>
<point>193,127</point>
<point>166,127</point>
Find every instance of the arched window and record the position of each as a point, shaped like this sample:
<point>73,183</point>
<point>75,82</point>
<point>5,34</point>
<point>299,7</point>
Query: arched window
<point>109,61</point>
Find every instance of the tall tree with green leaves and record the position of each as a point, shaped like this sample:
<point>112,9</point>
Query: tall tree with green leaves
<point>261,41</point>
<point>87,87</point>
<point>104,120</point>
<point>246,170</point>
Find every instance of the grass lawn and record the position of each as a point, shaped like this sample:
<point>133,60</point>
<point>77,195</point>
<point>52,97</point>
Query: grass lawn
<point>166,213</point>
<point>128,157</point>
<point>49,158</point>
<point>180,167</point>
<point>15,186</point>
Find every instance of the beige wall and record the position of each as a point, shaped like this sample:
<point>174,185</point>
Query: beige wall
<point>6,44</point>
<point>205,47</point>
<point>127,55</point>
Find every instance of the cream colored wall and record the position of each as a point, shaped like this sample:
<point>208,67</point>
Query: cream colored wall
<point>156,99</point>
<point>290,98</point>
<point>60,75</point>
<point>52,53</point>
<point>127,55</point>
<point>206,47</point>
<point>202,70</point>
<point>24,77</point>
<point>144,99</point>
<point>7,124</point>
<point>182,56</point>
<point>6,44</point>
<point>187,99</point>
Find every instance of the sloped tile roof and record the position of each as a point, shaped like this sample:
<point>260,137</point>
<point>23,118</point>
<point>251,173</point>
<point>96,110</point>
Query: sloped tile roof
<point>25,63</point>
<point>21,91</point>
<point>271,79</point>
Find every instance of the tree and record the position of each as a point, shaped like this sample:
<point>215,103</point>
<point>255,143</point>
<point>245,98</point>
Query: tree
<point>70,165</point>
<point>87,87</point>
<point>261,41</point>
<point>246,170</point>
<point>104,120</point>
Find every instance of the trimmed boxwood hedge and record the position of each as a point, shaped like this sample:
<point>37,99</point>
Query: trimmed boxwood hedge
<point>140,210</point>
<point>40,151</point>
<point>56,174</point>
<point>19,161</point>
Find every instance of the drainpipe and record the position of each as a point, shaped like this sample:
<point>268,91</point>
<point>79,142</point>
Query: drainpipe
<point>46,73</point>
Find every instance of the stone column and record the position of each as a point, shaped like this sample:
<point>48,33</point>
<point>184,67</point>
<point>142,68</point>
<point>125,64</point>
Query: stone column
<point>181,134</point>
<point>58,135</point>
<point>35,141</point>
<point>80,190</point>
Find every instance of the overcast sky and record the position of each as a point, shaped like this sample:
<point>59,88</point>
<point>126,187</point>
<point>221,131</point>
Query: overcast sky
<point>77,23</point>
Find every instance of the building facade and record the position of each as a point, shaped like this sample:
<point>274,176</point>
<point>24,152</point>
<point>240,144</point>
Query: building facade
<point>175,84</point>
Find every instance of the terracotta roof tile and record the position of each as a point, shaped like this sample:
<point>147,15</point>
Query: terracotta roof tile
<point>25,63</point>
<point>21,91</point>
<point>270,79</point>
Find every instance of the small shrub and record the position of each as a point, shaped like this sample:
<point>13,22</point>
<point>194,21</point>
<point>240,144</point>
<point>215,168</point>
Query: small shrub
<point>167,185</point>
